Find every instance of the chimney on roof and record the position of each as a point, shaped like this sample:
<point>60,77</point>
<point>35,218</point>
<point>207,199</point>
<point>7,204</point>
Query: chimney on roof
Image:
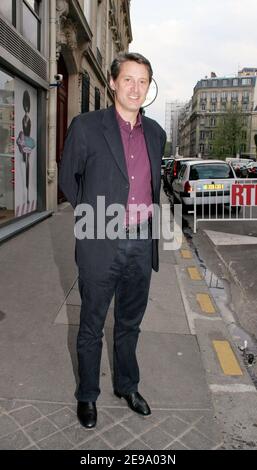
<point>213,75</point>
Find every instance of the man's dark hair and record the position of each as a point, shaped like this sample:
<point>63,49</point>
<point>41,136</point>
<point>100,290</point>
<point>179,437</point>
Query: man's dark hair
<point>132,57</point>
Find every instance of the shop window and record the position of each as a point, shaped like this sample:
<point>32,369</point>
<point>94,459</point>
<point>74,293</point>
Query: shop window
<point>18,148</point>
<point>7,149</point>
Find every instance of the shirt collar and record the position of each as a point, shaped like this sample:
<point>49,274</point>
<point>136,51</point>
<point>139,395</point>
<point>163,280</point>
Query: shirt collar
<point>126,124</point>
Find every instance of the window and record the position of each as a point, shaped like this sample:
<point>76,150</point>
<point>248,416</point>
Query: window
<point>31,22</point>
<point>245,96</point>
<point>202,135</point>
<point>182,171</point>
<point>212,122</point>
<point>99,25</point>
<point>97,98</point>
<point>246,81</point>
<point>214,96</point>
<point>245,107</point>
<point>87,10</point>
<point>213,107</point>
<point>223,106</point>
<point>203,106</point>
<point>34,5</point>
<point>201,148</point>
<point>234,96</point>
<point>7,9</point>
<point>85,93</point>
<point>244,135</point>
<point>234,106</point>
<point>203,95</point>
<point>18,148</point>
<point>224,96</point>
<point>214,82</point>
<point>210,170</point>
<point>204,83</point>
<point>224,82</point>
<point>235,82</point>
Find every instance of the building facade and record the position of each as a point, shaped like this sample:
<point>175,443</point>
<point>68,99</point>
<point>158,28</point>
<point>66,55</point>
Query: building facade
<point>212,98</point>
<point>55,58</point>
<point>172,110</point>
<point>24,45</point>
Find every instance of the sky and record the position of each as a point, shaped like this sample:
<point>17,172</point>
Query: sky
<point>186,40</point>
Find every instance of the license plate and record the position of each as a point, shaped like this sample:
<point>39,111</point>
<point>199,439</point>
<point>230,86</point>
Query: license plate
<point>213,186</point>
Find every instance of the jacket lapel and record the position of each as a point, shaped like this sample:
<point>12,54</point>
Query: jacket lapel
<point>113,138</point>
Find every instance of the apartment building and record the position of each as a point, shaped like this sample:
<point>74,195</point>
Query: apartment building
<point>172,110</point>
<point>213,97</point>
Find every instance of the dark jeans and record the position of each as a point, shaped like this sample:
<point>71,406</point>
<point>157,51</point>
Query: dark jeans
<point>129,278</point>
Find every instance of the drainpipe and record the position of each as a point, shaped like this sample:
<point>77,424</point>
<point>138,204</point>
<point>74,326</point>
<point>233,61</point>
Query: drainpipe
<point>52,111</point>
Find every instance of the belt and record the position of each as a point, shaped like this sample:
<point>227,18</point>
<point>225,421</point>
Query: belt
<point>139,228</point>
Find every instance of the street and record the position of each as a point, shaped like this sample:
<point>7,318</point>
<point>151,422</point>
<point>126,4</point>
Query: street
<point>227,254</point>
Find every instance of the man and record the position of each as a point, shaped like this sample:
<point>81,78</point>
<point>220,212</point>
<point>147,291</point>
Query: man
<point>116,154</point>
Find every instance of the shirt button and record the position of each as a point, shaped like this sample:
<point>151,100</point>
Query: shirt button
<point>132,177</point>
<point>133,198</point>
<point>132,156</point>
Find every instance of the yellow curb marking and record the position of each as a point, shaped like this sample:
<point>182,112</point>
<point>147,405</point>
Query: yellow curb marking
<point>186,254</point>
<point>194,274</point>
<point>227,358</point>
<point>205,303</point>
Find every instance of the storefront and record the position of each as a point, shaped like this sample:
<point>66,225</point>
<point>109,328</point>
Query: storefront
<point>23,117</point>
<point>18,147</point>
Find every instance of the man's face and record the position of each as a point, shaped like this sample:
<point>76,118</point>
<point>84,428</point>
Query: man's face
<point>131,86</point>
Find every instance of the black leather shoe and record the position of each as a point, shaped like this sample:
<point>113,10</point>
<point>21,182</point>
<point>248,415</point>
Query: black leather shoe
<point>135,401</point>
<point>87,413</point>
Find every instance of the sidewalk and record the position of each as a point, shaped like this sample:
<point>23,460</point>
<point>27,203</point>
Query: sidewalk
<point>194,404</point>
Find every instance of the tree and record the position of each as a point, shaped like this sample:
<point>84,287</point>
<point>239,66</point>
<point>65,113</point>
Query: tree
<point>229,135</point>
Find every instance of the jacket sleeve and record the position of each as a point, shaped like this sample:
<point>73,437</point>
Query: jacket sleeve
<point>73,161</point>
<point>163,141</point>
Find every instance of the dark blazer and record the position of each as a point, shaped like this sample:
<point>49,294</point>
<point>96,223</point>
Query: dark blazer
<point>93,164</point>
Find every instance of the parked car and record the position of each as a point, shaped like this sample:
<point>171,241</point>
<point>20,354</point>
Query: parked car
<point>171,172</point>
<point>240,168</point>
<point>212,179</point>
<point>165,174</point>
<point>252,170</point>
<point>165,161</point>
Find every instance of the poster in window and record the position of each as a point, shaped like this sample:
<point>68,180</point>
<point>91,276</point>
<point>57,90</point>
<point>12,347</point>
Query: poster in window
<point>26,148</point>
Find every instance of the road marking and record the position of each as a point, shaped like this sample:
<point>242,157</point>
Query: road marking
<point>222,238</point>
<point>194,274</point>
<point>233,388</point>
<point>205,303</point>
<point>227,358</point>
<point>186,254</point>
